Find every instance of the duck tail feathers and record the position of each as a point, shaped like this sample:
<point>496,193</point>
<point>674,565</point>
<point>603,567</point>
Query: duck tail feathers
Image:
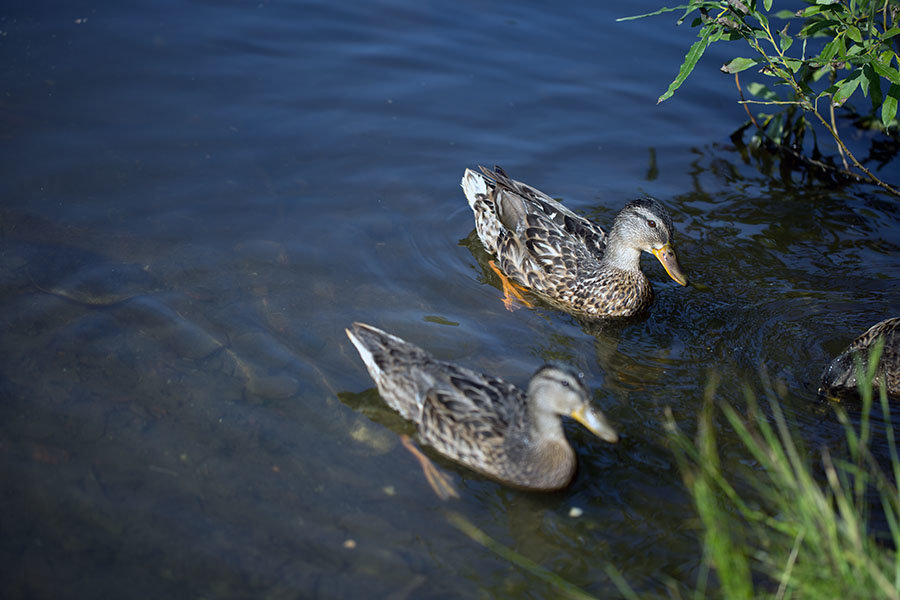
<point>371,344</point>
<point>474,186</point>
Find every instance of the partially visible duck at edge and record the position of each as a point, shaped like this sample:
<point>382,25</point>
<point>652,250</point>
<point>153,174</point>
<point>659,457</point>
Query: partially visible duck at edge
<point>839,379</point>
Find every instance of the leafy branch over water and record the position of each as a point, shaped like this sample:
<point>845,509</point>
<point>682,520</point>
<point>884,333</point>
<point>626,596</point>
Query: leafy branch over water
<point>843,49</point>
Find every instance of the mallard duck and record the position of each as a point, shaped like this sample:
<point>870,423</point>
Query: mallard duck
<point>483,422</point>
<point>839,378</point>
<point>546,248</point>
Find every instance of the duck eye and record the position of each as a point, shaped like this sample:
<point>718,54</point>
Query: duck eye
<point>565,384</point>
<point>651,223</point>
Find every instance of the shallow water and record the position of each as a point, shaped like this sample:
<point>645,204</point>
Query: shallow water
<point>198,197</point>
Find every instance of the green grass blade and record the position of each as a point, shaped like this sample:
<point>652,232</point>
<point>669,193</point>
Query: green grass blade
<point>467,527</point>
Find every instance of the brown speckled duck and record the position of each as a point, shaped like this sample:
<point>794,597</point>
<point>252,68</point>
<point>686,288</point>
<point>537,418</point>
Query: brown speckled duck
<point>839,379</point>
<point>565,258</point>
<point>481,421</point>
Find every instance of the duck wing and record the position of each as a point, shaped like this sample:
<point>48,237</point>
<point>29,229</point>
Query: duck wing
<point>534,201</point>
<point>545,257</point>
<point>470,416</point>
<point>889,329</point>
<point>840,374</point>
<point>402,371</point>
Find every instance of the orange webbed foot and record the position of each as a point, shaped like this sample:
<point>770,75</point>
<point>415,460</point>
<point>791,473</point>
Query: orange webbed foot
<point>512,296</point>
<point>439,482</point>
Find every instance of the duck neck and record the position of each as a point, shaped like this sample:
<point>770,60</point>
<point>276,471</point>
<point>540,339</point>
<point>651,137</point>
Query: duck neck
<point>550,457</point>
<point>619,254</point>
<point>544,426</point>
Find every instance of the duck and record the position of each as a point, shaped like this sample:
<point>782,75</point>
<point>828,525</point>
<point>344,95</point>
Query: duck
<point>565,258</point>
<point>511,435</point>
<point>839,378</point>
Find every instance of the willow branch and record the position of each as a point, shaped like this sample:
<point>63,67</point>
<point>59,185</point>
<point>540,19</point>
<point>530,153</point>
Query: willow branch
<point>737,82</point>
<point>834,128</point>
<point>859,165</point>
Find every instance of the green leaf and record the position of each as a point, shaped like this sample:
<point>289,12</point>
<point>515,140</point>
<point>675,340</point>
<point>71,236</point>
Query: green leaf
<point>853,34</point>
<point>690,61</point>
<point>889,108</point>
<point>873,84</point>
<point>841,47</point>
<point>768,5</point>
<point>786,40</point>
<point>821,72</point>
<point>688,10</point>
<point>833,48</point>
<point>738,64</point>
<point>846,87</point>
<point>785,14</point>
<point>811,29</point>
<point>793,65</point>
<point>761,91</point>
<point>664,9</point>
<point>828,51</point>
<point>885,71</point>
<point>775,129</point>
<point>854,50</point>
<point>829,91</point>
<point>781,74</point>
<point>810,11</point>
<point>718,35</point>
<point>890,33</point>
<point>802,76</point>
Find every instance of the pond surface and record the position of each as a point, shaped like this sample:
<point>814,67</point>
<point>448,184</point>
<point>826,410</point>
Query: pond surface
<point>197,198</point>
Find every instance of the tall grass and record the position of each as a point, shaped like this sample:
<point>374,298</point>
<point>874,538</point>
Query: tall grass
<point>806,532</point>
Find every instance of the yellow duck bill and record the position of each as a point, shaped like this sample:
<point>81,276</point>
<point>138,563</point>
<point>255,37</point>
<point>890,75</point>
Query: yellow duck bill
<point>666,256</point>
<point>596,423</point>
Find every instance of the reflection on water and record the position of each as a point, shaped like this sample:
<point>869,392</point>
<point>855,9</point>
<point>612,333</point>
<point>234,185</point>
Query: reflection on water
<point>192,214</point>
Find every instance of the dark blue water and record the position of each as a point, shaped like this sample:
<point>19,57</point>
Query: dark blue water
<point>197,197</point>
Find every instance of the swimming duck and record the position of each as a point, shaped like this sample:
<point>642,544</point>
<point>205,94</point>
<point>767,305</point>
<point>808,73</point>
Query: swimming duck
<point>565,258</point>
<point>483,422</point>
<point>839,378</point>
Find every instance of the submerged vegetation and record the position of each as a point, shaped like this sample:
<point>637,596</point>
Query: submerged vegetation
<point>839,52</point>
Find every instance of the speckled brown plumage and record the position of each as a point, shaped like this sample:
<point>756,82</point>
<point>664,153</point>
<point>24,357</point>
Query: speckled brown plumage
<point>481,421</point>
<point>565,258</point>
<point>839,378</point>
